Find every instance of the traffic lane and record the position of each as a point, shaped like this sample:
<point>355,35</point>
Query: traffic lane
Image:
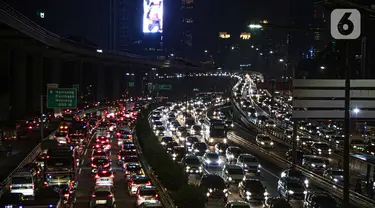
<point>20,149</point>
<point>86,182</point>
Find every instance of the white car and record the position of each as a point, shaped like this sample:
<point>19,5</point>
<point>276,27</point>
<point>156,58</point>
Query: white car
<point>147,194</point>
<point>249,163</point>
<point>104,181</point>
<point>233,173</point>
<point>264,141</point>
<point>212,159</point>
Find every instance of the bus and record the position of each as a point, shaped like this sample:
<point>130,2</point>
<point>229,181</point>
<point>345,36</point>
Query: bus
<point>214,131</point>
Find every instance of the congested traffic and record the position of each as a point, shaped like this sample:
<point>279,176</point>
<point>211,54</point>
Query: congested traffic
<point>92,161</point>
<point>194,133</point>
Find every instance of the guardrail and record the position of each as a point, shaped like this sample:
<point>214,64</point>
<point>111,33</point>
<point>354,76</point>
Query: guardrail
<point>336,190</point>
<point>165,199</point>
<point>31,157</point>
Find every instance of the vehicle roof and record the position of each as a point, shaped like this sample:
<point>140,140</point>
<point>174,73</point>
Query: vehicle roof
<point>230,166</point>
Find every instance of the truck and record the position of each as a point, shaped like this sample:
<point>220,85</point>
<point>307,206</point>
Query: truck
<point>59,167</point>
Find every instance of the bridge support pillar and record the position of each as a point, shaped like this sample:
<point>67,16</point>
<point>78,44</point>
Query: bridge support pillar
<point>19,93</point>
<point>5,59</point>
<point>116,83</point>
<point>37,80</point>
<point>55,71</point>
<point>100,88</point>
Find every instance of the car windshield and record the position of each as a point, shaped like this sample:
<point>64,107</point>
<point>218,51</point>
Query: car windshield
<point>315,160</point>
<point>201,146</point>
<point>131,159</point>
<point>192,160</point>
<point>294,185</point>
<point>214,182</point>
<point>265,138</point>
<point>161,128</point>
<point>254,184</point>
<point>250,159</point>
<point>213,156</point>
<point>337,172</point>
<point>321,145</point>
<point>295,173</point>
<point>192,139</point>
<point>22,180</point>
<point>141,180</point>
<point>148,192</point>
<point>197,128</point>
<point>102,193</point>
<point>236,151</point>
<point>167,139</point>
<point>235,171</point>
<point>100,160</point>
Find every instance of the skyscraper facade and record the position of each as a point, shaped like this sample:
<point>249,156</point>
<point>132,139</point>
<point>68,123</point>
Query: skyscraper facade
<point>124,24</point>
<point>186,28</point>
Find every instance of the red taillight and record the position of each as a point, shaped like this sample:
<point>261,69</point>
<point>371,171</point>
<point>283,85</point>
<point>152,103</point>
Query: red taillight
<point>134,150</point>
<point>32,186</point>
<point>96,176</point>
<point>92,165</point>
<point>47,156</point>
<point>127,172</point>
<point>66,195</point>
<point>132,183</point>
<point>110,195</point>
<point>106,165</point>
<point>118,134</point>
<point>140,172</point>
<point>112,176</point>
<point>30,127</point>
<point>107,140</point>
<point>148,183</point>
<point>156,195</point>
<point>93,196</point>
<point>119,157</point>
<point>10,186</point>
<point>92,158</point>
<point>139,197</point>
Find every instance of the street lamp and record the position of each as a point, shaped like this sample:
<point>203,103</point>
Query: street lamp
<point>322,67</point>
<point>356,110</point>
<point>281,60</point>
<point>205,51</point>
<point>271,52</point>
<point>254,26</point>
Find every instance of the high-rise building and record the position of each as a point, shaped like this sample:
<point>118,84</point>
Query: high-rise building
<point>320,35</point>
<point>186,28</point>
<point>124,24</point>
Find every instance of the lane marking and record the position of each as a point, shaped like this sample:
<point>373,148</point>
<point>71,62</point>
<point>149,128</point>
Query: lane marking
<point>85,152</point>
<point>79,172</point>
<point>83,160</point>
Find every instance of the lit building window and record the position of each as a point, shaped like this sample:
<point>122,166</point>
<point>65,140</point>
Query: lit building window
<point>224,35</point>
<point>187,20</point>
<point>245,36</point>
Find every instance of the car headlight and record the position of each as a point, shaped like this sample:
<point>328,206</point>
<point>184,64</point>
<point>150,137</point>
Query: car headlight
<point>174,155</point>
<point>262,143</point>
<point>312,165</point>
<point>210,190</point>
<point>230,178</point>
<point>329,150</point>
<point>290,192</point>
<point>271,143</point>
<point>187,167</point>
<point>225,190</point>
<point>163,143</point>
<point>248,193</point>
<point>208,161</point>
<point>259,166</point>
<point>319,150</point>
<point>335,180</point>
<point>306,181</point>
<point>219,161</point>
<point>324,165</point>
<point>266,193</point>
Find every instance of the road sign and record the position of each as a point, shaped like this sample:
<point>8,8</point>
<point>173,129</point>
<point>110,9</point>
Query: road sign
<point>62,98</point>
<point>131,84</point>
<point>324,99</point>
<point>345,24</point>
<point>165,87</point>
<point>149,86</point>
<point>76,86</point>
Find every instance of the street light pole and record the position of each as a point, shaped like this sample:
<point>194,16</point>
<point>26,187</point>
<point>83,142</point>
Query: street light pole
<point>347,127</point>
<point>41,119</point>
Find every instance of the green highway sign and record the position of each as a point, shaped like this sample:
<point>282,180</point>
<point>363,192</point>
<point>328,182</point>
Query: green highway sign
<point>62,98</point>
<point>131,84</point>
<point>165,87</point>
<point>150,86</point>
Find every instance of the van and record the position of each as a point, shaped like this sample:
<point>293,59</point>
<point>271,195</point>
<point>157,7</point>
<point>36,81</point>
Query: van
<point>24,181</point>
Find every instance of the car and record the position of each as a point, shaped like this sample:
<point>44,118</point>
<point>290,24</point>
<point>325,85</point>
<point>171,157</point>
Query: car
<point>165,140</point>
<point>220,148</point>
<point>232,153</point>
<point>129,148</point>
<point>192,164</point>
<point>214,187</point>
<point>232,173</point>
<point>264,141</point>
<point>102,196</point>
<point>212,159</point>
<point>190,140</point>
<point>249,164</point>
<point>319,199</point>
<point>277,203</point>
<point>321,148</point>
<point>294,173</point>
<point>137,181</point>
<point>99,153</point>
<point>270,124</point>
<point>98,164</point>
<point>178,153</point>
<point>291,188</point>
<point>252,190</point>
<point>196,130</point>
<point>146,194</point>
<point>130,159</point>
<point>237,204</point>
<point>160,131</point>
<point>199,148</point>
<point>335,175</point>
<point>132,169</point>
<point>315,163</point>
<point>170,146</point>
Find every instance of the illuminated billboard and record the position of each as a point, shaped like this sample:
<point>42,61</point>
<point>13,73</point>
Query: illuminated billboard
<point>152,16</point>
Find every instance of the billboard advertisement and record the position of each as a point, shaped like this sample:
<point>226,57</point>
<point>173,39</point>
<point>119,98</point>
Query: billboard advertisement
<point>152,16</point>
